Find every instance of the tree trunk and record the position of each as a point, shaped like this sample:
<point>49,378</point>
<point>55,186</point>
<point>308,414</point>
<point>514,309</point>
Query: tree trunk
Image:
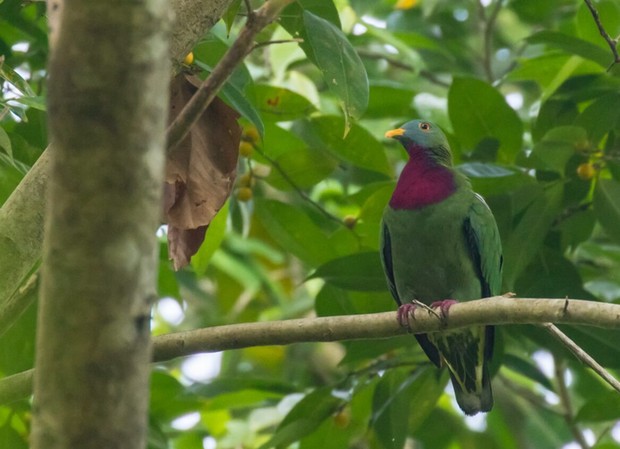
<point>21,216</point>
<point>108,81</point>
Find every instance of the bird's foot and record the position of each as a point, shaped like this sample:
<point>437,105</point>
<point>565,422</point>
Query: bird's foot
<point>444,306</point>
<point>406,312</point>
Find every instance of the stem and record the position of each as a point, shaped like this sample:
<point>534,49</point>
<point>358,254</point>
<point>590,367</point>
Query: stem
<point>610,41</point>
<point>568,412</point>
<point>205,94</point>
<point>488,27</point>
<point>298,189</point>
<point>582,355</point>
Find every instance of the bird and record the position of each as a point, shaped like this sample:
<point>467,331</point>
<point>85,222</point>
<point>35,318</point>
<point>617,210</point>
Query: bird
<point>439,244</point>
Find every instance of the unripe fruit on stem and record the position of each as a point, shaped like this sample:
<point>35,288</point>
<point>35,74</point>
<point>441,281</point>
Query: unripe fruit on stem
<point>189,59</point>
<point>251,134</point>
<point>246,149</point>
<point>586,171</point>
<point>342,418</point>
<point>350,221</point>
<point>246,180</point>
<point>244,194</point>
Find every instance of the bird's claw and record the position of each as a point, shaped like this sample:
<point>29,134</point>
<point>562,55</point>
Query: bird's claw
<point>444,306</point>
<point>406,312</point>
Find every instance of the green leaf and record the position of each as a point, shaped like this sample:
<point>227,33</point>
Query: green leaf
<point>390,98</point>
<point>602,408</point>
<point>342,68</point>
<point>391,405</point>
<point>484,170</point>
<point>305,166</point>
<point>529,233</point>
<point>291,227</point>
<point>601,116</point>
<point>358,148</point>
<point>607,206</point>
<point>213,240</point>
<point>305,417</point>
<point>231,14</point>
<point>359,272</point>
<point>478,111</point>
<point>527,369</point>
<point>427,387</point>
<point>572,45</point>
<point>557,146</point>
<point>280,104</point>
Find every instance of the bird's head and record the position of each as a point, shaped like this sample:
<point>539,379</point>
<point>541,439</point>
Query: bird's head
<point>420,137</point>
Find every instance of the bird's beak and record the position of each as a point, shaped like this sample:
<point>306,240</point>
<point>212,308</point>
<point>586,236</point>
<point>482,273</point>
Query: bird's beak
<point>395,132</point>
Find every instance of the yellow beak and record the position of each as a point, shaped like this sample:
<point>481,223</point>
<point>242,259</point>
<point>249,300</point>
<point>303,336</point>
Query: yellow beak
<point>395,132</point>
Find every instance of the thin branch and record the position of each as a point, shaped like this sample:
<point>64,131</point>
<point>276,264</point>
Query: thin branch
<point>399,64</point>
<point>495,310</point>
<point>489,25</point>
<point>298,189</point>
<point>297,40</point>
<point>582,355</point>
<point>567,405</point>
<point>613,43</point>
<point>203,97</point>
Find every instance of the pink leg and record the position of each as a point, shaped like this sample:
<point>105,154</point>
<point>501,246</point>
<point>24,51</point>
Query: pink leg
<point>404,312</point>
<point>444,306</point>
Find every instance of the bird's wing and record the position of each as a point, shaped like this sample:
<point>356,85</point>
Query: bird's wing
<point>485,246</point>
<point>386,260</point>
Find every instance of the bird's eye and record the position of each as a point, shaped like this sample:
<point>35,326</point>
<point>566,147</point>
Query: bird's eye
<point>425,126</point>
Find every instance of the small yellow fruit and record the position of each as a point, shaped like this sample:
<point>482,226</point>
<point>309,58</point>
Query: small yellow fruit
<point>586,171</point>
<point>189,59</point>
<point>246,180</point>
<point>342,418</point>
<point>244,194</point>
<point>246,149</point>
<point>350,221</point>
<point>405,4</point>
<point>251,134</point>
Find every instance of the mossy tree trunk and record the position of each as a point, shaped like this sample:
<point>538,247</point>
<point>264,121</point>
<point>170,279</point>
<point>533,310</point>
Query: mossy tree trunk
<point>108,78</point>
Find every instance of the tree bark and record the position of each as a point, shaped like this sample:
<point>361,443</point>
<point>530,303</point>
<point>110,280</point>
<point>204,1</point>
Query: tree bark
<point>107,111</point>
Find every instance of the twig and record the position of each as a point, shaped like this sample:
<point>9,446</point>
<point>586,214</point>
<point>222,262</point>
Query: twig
<point>496,310</point>
<point>298,189</point>
<point>569,415</point>
<point>205,94</point>
<point>613,43</point>
<point>404,66</point>
<point>582,355</point>
<point>489,24</point>
<point>278,41</point>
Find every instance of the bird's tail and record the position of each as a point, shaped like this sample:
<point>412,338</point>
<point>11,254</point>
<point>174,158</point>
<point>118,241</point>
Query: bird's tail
<point>467,354</point>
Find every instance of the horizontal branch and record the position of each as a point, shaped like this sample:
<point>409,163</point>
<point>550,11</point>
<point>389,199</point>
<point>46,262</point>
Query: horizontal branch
<point>495,310</point>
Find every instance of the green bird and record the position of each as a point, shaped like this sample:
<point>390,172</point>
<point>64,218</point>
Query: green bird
<point>439,244</point>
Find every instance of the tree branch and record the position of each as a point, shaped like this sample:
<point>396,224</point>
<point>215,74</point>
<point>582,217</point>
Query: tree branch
<point>495,310</point>
<point>613,43</point>
<point>567,406</point>
<point>582,355</point>
<point>243,45</point>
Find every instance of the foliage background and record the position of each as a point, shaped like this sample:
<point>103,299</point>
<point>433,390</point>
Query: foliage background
<point>531,105</point>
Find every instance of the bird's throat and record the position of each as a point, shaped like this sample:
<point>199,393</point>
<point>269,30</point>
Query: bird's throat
<point>422,182</point>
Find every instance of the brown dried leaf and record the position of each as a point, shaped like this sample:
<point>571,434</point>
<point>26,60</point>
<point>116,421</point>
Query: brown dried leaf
<point>200,172</point>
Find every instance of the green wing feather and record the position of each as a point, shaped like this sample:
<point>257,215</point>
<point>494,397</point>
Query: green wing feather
<point>468,353</point>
